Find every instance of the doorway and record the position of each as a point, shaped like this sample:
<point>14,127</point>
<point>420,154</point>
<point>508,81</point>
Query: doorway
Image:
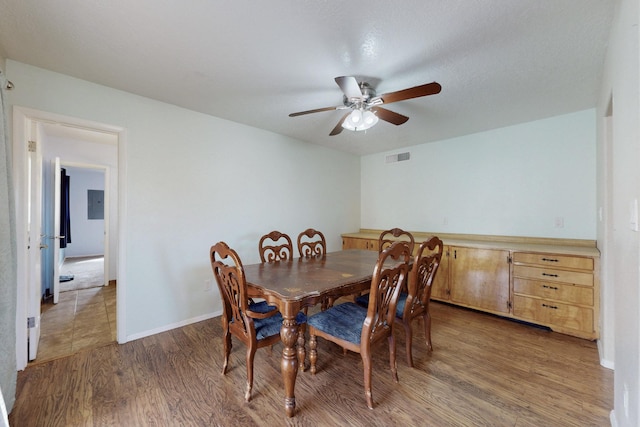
<point>80,143</point>
<point>81,314</point>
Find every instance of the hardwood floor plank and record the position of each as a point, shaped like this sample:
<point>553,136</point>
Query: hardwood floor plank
<point>484,370</point>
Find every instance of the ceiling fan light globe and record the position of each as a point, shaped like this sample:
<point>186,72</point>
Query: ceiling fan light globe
<point>370,119</point>
<point>360,120</point>
<point>353,120</point>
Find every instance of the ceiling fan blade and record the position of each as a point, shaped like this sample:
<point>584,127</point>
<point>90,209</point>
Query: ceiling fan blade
<point>413,92</point>
<point>349,86</point>
<point>336,130</point>
<point>317,110</point>
<point>389,116</point>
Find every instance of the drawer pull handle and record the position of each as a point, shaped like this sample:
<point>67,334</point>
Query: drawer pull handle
<point>549,275</point>
<point>555,307</point>
<point>555,288</point>
<point>550,260</point>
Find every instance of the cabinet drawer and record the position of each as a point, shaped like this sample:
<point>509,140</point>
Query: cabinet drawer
<point>553,260</point>
<point>555,291</point>
<point>553,313</point>
<point>551,275</point>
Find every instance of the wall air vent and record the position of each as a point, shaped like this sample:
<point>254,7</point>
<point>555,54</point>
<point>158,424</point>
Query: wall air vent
<point>400,157</point>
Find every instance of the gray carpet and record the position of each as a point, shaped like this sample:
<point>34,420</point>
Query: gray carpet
<point>87,272</point>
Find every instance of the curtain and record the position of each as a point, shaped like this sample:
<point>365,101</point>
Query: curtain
<point>65,217</point>
<point>8,261</point>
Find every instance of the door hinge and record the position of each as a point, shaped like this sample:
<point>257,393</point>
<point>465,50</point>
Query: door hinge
<point>31,322</point>
<point>509,259</point>
<point>509,305</point>
<point>31,146</point>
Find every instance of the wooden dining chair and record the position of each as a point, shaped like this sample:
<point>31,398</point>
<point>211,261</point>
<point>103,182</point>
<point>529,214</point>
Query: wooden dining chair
<point>357,328</point>
<point>255,324</point>
<point>275,246</point>
<point>311,243</point>
<point>414,302</point>
<point>387,237</point>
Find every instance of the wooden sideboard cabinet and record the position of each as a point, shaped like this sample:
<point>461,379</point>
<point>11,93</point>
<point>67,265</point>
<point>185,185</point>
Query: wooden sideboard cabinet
<point>548,282</point>
<point>556,290</point>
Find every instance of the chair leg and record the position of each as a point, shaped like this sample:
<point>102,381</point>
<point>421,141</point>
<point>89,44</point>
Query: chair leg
<point>427,330</point>
<point>313,353</point>
<point>302,355</point>
<point>366,362</point>
<point>392,357</point>
<point>408,333</point>
<point>226,339</point>
<point>327,303</point>
<point>251,352</point>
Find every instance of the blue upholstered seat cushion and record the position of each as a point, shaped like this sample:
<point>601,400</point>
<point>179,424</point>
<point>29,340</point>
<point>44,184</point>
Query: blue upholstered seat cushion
<point>343,321</point>
<point>363,300</point>
<point>271,325</point>
<point>261,307</point>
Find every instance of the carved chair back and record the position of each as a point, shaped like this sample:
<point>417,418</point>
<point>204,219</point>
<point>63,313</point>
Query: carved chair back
<point>387,237</point>
<point>425,265</point>
<point>311,243</point>
<point>275,246</point>
<point>388,277</point>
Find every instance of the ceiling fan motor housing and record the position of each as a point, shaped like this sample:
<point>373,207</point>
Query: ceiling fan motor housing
<point>368,93</point>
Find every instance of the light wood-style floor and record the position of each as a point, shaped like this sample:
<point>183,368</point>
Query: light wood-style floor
<point>484,370</point>
<point>82,319</point>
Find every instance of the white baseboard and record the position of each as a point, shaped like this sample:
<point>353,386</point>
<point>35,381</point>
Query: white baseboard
<point>173,326</point>
<point>604,362</point>
<point>612,419</point>
<point>607,363</point>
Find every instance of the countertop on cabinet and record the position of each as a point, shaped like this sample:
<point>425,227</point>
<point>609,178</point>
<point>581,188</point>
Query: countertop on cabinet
<point>580,247</point>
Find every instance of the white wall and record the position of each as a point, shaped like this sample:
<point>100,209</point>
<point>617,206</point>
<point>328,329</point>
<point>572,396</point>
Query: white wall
<point>512,181</point>
<point>621,84</point>
<point>87,235</point>
<point>191,180</point>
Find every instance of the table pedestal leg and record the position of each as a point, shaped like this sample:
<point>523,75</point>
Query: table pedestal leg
<point>289,364</point>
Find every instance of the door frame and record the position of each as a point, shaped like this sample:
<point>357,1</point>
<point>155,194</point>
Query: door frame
<point>23,117</point>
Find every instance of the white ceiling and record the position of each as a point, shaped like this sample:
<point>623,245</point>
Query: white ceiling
<point>500,62</point>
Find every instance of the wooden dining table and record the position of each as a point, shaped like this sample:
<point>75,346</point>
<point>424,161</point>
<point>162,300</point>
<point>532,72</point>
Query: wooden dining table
<point>304,282</point>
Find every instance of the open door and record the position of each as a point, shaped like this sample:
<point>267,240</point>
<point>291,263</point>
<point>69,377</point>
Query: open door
<point>57,184</point>
<point>34,245</point>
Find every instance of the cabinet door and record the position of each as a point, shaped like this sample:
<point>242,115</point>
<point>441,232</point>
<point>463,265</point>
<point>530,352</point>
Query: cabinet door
<point>440,285</point>
<point>479,278</point>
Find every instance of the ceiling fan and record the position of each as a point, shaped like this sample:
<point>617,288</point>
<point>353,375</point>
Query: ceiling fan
<point>364,104</point>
